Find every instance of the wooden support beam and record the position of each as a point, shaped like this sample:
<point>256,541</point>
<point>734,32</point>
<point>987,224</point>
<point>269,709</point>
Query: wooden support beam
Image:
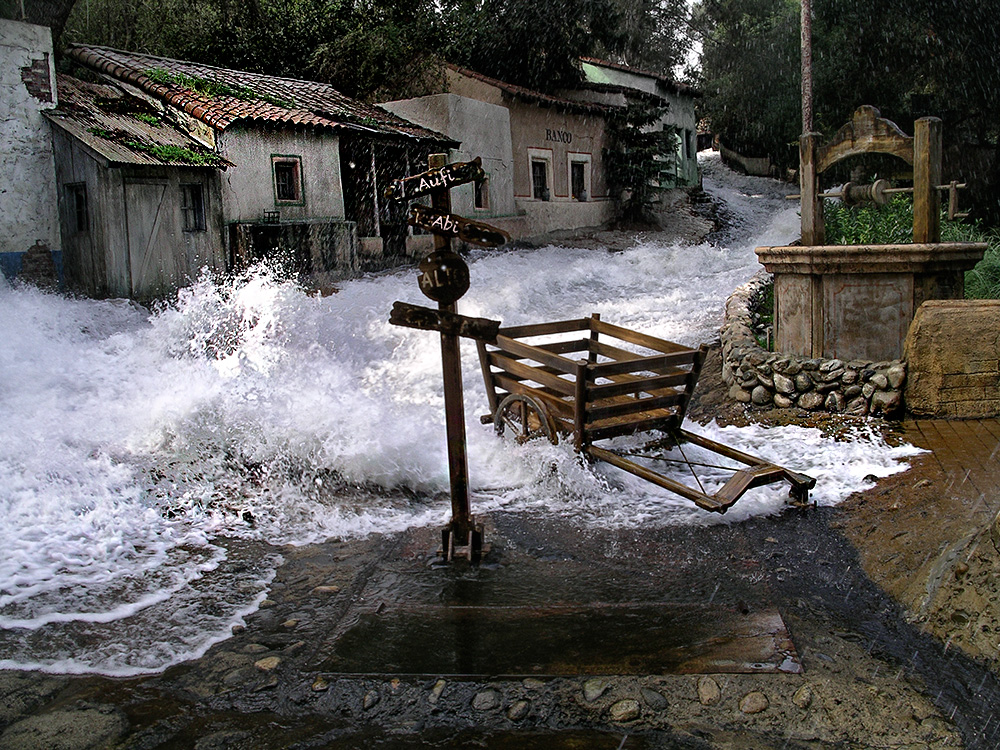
<point>926,178</point>
<point>813,231</point>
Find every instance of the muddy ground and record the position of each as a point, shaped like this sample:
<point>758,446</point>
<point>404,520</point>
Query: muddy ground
<point>334,658</point>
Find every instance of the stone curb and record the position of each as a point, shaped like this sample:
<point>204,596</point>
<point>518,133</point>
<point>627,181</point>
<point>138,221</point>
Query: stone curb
<point>761,378</point>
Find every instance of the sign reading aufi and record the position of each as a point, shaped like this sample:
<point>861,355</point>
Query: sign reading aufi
<point>443,178</point>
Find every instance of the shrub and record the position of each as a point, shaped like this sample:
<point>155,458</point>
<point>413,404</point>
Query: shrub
<point>893,224</point>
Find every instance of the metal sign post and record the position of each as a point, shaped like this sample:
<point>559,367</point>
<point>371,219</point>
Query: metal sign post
<point>444,278</point>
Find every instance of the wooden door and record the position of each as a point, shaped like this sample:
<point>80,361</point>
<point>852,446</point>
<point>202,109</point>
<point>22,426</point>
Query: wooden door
<point>155,255</point>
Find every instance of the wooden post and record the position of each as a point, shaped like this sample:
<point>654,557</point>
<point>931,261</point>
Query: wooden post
<point>926,178</point>
<point>811,206</point>
<point>805,29</point>
<point>461,531</point>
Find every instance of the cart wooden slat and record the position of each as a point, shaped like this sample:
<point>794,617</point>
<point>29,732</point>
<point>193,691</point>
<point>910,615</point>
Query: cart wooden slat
<point>638,383</point>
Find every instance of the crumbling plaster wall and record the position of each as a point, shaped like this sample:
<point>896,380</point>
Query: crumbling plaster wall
<point>28,202</point>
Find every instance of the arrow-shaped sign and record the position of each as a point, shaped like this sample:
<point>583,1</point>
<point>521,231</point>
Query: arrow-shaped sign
<point>442,178</point>
<point>415,316</point>
<point>450,225</point>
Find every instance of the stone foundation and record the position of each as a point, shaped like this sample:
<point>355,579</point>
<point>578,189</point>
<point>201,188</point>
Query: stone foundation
<point>770,379</point>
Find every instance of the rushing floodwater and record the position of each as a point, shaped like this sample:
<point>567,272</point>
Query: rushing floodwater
<point>145,459</point>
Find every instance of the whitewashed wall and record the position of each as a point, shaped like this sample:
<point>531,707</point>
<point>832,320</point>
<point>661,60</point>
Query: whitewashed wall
<point>484,131</point>
<point>248,188</point>
<point>28,207</point>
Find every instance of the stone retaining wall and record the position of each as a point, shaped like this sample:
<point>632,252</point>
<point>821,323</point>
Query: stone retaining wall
<point>762,378</point>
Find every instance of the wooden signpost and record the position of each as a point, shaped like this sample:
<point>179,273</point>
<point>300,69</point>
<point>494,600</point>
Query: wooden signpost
<point>444,278</point>
<point>450,225</point>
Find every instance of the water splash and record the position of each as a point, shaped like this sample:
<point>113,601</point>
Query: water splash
<point>150,461</point>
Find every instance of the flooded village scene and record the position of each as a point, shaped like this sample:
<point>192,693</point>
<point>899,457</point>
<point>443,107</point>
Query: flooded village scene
<point>499,374</point>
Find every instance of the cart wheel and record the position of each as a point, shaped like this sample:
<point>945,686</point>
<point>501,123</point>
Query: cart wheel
<point>526,418</point>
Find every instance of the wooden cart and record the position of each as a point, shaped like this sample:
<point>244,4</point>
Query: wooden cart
<point>626,383</point>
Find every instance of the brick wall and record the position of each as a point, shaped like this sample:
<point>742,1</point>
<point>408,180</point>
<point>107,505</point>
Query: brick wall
<point>37,79</point>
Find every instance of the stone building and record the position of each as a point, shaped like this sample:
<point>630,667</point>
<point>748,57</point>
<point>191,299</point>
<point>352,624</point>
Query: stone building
<point>28,217</point>
<point>170,166</point>
<point>614,84</point>
<point>543,154</point>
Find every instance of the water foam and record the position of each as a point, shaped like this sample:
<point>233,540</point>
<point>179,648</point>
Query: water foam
<point>151,461</point>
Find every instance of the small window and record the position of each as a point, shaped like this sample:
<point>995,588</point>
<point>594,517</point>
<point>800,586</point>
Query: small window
<point>483,194</point>
<point>76,195</point>
<point>578,180</point>
<point>192,208</point>
<point>287,179</point>
<point>539,180</point>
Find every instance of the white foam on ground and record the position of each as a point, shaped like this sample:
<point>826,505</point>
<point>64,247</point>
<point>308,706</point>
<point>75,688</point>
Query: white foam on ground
<point>147,461</point>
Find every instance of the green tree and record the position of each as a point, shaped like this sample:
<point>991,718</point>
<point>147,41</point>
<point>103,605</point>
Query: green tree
<point>633,160</point>
<point>656,35</point>
<point>751,78</point>
<point>530,43</point>
<point>909,58</point>
<point>387,51</point>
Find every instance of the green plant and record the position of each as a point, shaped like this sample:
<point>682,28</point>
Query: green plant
<point>213,88</point>
<point>762,315</point>
<point>633,159</point>
<point>893,224</point>
<point>149,119</point>
<point>869,224</point>
<point>175,153</point>
<point>983,281</point>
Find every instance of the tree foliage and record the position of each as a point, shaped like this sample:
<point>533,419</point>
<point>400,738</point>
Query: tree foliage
<point>377,49</point>
<point>633,162</point>
<point>530,43</point>
<point>909,58</point>
<point>656,35</point>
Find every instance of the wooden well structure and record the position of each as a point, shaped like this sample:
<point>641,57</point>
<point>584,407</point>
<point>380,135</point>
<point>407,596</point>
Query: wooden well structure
<point>856,301</point>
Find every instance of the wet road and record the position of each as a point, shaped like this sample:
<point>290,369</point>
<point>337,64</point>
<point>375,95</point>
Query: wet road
<point>542,644</point>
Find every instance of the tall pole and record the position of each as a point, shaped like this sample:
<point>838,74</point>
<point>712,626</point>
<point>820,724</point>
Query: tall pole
<point>447,266</point>
<point>807,80</point>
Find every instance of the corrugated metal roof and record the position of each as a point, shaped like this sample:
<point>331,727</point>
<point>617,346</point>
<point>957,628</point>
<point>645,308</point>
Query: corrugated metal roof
<point>124,129</point>
<point>231,96</point>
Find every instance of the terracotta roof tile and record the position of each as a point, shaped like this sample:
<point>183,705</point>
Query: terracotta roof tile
<point>247,97</point>
<point>124,129</point>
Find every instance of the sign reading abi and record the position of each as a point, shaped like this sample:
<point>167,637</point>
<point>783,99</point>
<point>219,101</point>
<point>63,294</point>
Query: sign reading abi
<point>443,178</point>
<point>450,225</point>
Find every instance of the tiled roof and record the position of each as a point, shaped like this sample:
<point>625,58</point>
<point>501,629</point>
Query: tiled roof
<point>124,129</point>
<point>537,97</point>
<point>238,96</point>
<point>670,83</point>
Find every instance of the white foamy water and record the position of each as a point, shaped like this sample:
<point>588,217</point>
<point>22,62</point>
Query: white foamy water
<point>149,462</point>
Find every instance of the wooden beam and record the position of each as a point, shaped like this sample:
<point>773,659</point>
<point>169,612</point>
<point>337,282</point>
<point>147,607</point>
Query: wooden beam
<point>926,178</point>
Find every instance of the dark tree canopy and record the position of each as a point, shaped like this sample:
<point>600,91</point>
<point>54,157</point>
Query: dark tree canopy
<point>530,43</point>
<point>377,49</point>
<point>909,58</point>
